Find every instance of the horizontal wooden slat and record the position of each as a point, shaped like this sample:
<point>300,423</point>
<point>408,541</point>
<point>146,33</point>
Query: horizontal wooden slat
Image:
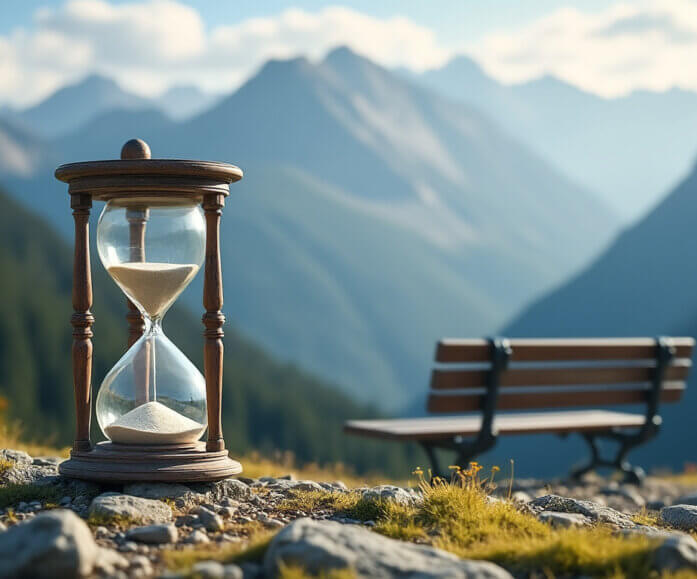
<point>433,428</point>
<point>558,349</point>
<point>442,379</point>
<point>671,392</point>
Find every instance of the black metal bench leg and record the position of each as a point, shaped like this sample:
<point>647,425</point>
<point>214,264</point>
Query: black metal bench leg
<point>632,474</point>
<point>595,461</point>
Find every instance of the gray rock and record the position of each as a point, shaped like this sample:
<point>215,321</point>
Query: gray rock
<point>676,552</point>
<point>682,517</point>
<point>232,571</point>
<point>520,497</point>
<point>269,522</point>
<point>210,520</point>
<point>128,547</point>
<point>47,461</point>
<point>389,493</point>
<point>53,544</point>
<point>155,490</point>
<point>197,537</point>
<point>109,561</point>
<point>228,488</point>
<point>208,570</point>
<point>690,499</point>
<point>321,546</point>
<point>153,534</point>
<point>285,485</point>
<point>593,511</point>
<point>19,457</point>
<point>136,509</point>
<point>227,512</point>
<point>564,520</point>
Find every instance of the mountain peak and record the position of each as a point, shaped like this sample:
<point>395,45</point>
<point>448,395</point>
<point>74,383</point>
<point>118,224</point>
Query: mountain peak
<point>343,56</point>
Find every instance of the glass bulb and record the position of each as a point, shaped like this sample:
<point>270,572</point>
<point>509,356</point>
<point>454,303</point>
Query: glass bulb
<point>152,248</point>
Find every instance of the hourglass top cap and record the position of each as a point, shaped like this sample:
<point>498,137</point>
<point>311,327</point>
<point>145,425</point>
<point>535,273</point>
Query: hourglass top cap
<point>137,175</point>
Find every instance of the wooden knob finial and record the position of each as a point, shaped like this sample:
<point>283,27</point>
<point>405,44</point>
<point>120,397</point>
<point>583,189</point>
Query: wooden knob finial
<point>135,149</point>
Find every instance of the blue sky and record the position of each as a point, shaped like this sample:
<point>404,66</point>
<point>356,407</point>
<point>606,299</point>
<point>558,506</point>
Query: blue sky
<point>609,48</point>
<point>452,18</point>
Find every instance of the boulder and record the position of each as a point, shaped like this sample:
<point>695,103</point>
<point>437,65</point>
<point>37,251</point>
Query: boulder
<point>54,544</point>
<point>389,493</point>
<point>138,510</point>
<point>156,490</point>
<point>593,511</point>
<point>682,517</point>
<point>322,546</point>
<point>676,552</point>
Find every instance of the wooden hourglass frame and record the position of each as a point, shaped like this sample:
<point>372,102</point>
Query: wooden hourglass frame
<point>134,176</point>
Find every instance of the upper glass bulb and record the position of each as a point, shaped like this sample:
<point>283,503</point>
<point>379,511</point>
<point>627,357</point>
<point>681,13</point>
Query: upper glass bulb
<point>152,249</point>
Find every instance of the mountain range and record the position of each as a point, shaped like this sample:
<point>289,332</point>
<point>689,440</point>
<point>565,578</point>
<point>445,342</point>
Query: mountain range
<point>645,284</point>
<point>75,105</point>
<point>375,216</point>
<point>631,149</point>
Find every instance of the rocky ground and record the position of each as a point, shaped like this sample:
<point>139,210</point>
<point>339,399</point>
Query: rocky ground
<point>56,527</point>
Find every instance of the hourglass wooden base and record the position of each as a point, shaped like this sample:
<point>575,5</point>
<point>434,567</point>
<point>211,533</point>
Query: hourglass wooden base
<point>111,463</point>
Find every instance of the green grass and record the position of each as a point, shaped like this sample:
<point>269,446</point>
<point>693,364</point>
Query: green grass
<point>251,550</point>
<point>458,518</point>
<point>12,494</point>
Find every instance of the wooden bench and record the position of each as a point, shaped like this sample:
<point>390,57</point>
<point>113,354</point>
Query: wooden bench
<point>491,376</point>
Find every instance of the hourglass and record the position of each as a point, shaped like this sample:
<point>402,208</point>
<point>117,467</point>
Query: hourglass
<point>160,223</point>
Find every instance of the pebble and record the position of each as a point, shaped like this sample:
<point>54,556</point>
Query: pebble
<point>208,570</point>
<point>197,537</point>
<point>153,534</point>
<point>210,520</point>
<point>269,522</point>
<point>563,520</point>
<point>128,547</point>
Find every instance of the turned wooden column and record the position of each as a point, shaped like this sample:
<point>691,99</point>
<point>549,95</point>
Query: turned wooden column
<point>82,320</point>
<point>213,320</point>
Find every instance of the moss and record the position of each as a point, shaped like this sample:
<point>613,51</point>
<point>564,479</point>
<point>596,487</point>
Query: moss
<point>308,501</point>
<point>12,494</point>
<point>253,550</point>
<point>120,521</point>
<point>5,465</point>
<point>296,572</point>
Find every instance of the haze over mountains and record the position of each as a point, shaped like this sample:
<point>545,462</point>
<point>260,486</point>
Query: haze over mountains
<point>645,284</point>
<point>374,217</point>
<point>631,150</point>
<point>74,105</point>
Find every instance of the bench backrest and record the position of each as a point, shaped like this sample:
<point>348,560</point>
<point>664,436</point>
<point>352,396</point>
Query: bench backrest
<point>549,373</point>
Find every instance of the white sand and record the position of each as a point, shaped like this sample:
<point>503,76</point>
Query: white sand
<point>153,285</point>
<point>154,423</point>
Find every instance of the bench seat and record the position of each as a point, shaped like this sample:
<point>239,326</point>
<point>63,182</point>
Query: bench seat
<point>443,427</point>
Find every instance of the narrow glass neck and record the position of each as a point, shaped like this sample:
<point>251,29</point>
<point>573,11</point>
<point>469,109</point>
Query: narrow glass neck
<point>153,326</point>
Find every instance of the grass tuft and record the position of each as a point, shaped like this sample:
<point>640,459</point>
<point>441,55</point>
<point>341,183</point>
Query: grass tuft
<point>297,572</point>
<point>253,551</point>
<point>12,494</point>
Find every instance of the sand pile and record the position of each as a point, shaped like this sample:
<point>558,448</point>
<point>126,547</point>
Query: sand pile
<point>154,423</point>
<point>153,285</point>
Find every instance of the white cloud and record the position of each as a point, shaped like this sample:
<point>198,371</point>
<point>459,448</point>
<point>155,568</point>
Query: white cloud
<point>152,44</point>
<point>649,45</point>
